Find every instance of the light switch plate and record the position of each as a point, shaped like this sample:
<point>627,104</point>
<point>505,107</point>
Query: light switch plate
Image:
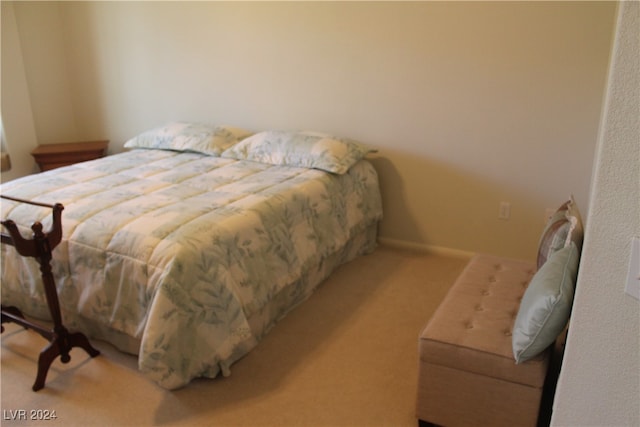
<point>633,276</point>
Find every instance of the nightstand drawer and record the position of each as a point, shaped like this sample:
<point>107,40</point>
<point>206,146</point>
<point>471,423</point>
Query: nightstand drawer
<point>51,156</point>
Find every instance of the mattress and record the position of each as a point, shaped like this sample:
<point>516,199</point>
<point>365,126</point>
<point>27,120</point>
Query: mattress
<point>186,259</point>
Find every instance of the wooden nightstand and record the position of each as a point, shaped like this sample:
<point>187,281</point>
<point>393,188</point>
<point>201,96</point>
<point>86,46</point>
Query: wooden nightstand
<point>51,156</point>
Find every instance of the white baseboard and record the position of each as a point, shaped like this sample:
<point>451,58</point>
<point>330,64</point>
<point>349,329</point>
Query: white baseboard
<point>422,247</point>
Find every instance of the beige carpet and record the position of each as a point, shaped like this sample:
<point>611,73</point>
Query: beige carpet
<point>345,357</point>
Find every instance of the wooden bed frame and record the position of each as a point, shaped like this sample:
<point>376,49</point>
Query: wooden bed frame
<point>40,247</point>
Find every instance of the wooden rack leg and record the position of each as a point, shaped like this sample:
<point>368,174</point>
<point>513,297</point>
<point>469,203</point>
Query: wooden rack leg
<point>60,340</point>
<point>61,345</point>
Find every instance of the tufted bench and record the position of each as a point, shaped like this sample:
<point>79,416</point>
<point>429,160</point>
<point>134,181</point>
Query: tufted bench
<point>466,370</point>
<point>485,354</point>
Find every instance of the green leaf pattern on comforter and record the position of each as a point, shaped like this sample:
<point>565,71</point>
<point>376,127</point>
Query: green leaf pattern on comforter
<point>179,250</point>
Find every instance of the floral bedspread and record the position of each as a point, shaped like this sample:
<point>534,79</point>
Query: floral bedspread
<point>178,250</point>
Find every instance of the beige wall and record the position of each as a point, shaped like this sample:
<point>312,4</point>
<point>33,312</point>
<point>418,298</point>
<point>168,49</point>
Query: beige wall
<point>17,116</point>
<point>470,104</point>
<point>600,380</point>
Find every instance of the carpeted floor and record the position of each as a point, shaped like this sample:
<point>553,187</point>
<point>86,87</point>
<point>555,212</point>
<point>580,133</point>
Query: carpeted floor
<point>345,357</point>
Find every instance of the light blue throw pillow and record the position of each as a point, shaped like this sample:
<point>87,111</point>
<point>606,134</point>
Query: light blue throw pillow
<point>546,305</point>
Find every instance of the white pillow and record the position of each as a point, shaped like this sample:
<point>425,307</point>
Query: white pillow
<point>562,228</point>
<point>187,136</point>
<point>300,149</point>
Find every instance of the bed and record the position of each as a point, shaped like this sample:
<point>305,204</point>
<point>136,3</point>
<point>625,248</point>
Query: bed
<point>187,248</point>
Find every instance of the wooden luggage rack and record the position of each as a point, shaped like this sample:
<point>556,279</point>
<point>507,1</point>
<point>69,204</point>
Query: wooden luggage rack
<point>40,247</point>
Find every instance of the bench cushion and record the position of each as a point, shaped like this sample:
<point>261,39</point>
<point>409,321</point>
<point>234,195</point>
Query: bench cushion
<point>471,329</point>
